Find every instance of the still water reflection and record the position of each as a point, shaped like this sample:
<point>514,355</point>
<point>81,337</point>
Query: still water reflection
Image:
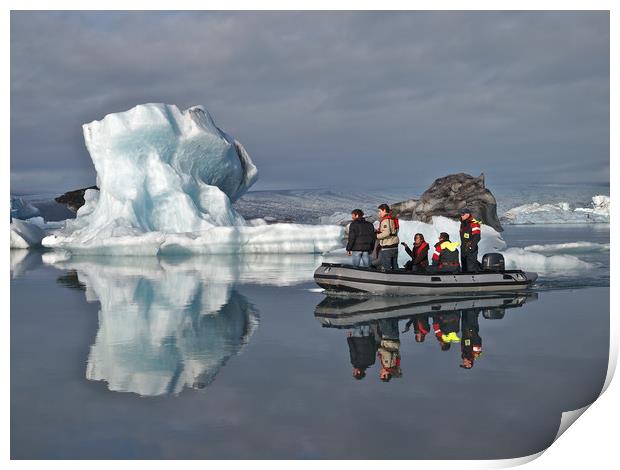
<point>280,385</point>
<point>374,325</point>
<point>170,324</point>
<point>167,325</point>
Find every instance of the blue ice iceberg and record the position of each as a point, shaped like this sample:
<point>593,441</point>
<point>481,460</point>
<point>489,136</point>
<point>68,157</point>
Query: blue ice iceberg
<point>167,181</point>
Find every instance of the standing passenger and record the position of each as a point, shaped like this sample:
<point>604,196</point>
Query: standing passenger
<point>361,239</point>
<point>470,237</point>
<point>387,234</point>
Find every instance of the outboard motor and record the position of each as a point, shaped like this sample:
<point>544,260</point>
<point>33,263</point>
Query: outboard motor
<point>493,262</point>
<point>493,313</point>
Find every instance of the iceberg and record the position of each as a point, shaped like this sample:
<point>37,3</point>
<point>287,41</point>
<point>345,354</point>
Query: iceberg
<point>25,234</point>
<point>520,258</point>
<point>167,182</point>
<point>22,209</point>
<point>560,213</point>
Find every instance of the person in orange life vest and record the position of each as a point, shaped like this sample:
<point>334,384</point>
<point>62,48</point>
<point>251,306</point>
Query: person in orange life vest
<point>389,349</point>
<point>421,327</point>
<point>470,237</point>
<point>471,342</point>
<point>387,236</point>
<point>419,254</point>
<point>446,256</point>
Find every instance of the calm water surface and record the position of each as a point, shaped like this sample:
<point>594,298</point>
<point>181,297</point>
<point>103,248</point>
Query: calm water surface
<point>243,358</point>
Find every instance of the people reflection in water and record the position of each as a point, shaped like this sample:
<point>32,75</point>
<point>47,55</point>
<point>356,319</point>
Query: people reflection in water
<point>446,327</point>
<point>389,350</point>
<point>382,339</point>
<point>421,327</point>
<point>471,344</point>
<point>362,341</point>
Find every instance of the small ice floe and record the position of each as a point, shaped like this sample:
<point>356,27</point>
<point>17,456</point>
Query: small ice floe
<point>25,234</point>
<point>572,247</point>
<point>560,213</point>
<point>22,209</point>
<point>520,258</point>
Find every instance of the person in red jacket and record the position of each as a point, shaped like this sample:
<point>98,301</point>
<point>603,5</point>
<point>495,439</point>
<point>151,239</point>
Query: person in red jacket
<point>419,254</point>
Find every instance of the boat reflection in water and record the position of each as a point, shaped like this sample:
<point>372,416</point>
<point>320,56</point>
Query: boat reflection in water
<point>373,325</point>
<point>170,324</point>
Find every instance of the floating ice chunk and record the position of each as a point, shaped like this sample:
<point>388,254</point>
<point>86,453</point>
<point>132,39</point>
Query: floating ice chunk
<point>600,206</point>
<point>519,258</point>
<point>560,213</point>
<point>25,234</point>
<point>167,181</point>
<point>572,247</point>
<point>160,170</point>
<point>22,209</point>
<point>276,239</point>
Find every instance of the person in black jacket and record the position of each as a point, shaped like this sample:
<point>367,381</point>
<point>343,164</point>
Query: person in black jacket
<point>361,239</point>
<point>362,349</point>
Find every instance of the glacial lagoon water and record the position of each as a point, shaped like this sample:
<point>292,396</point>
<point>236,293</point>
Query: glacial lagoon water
<point>243,357</point>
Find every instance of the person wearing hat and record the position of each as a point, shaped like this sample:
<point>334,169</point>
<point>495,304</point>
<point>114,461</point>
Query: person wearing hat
<point>470,237</point>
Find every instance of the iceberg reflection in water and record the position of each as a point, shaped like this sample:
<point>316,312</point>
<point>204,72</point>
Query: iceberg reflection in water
<point>170,324</point>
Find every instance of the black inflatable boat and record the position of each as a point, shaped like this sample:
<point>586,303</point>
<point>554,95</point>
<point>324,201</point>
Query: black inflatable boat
<point>491,278</point>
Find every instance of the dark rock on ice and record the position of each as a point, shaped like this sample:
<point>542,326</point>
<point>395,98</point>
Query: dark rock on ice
<point>447,196</point>
<point>74,199</point>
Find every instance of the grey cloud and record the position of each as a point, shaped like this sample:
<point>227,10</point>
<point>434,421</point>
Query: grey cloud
<point>326,98</point>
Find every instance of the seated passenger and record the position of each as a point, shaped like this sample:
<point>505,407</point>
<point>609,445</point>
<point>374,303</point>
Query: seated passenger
<point>446,255</point>
<point>419,254</point>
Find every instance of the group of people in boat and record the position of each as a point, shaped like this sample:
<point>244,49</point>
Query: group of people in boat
<point>381,340</point>
<point>378,248</point>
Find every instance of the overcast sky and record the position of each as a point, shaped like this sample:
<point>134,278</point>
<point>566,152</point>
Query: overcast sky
<point>325,99</point>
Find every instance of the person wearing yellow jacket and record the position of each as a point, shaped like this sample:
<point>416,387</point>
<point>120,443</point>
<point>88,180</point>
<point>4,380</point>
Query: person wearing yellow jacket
<point>446,255</point>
